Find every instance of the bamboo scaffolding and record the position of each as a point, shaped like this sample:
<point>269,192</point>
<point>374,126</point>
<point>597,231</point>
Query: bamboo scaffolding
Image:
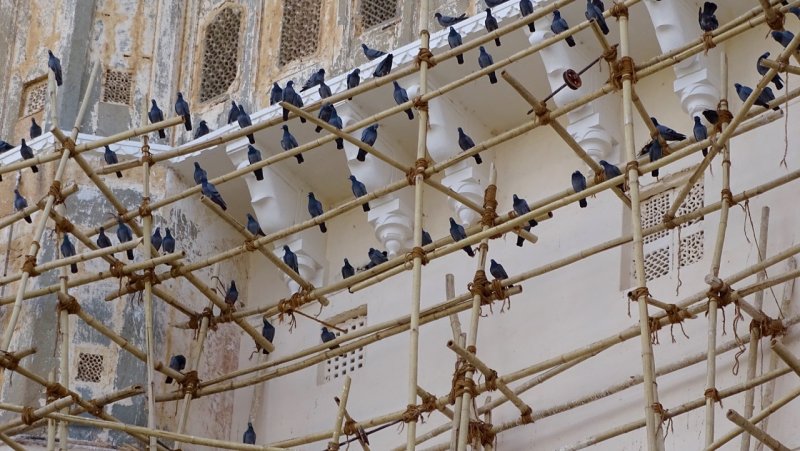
<point>487,418</point>
<point>63,335</point>
<point>456,423</point>
<point>11,443</point>
<point>333,445</point>
<point>755,432</point>
<point>361,440</point>
<point>786,355</point>
<point>15,217</point>
<point>51,424</point>
<point>422,393</point>
<point>780,67</point>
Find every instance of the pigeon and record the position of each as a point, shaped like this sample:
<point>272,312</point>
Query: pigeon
<point>156,239</point>
<point>55,65</point>
<point>783,37</point>
<point>111,158</point>
<point>268,332</point>
<point>579,184</point>
<point>290,258</point>
<point>454,40</point>
<point>705,16</point>
<point>466,143</point>
<point>249,436</point>
<point>521,207</point>
<point>288,143</point>
<point>560,25</point>
<point>315,209</point>
<point>599,4</point>
<point>328,336</point>
<point>182,109</point>
<point>596,14</point>
<point>254,156</point>
<point>232,295</point>
<point>68,250</point>
<point>20,204</point>
<point>244,121</point>
<point>156,115</point>
<point>376,257</point>
<point>293,98</point>
<point>795,10</point>
<point>210,191</point>
<point>762,70</point>
<point>446,21</point>
<point>491,24</point>
<point>202,130</point>
<point>368,136</point>
<point>700,132</point>
<point>526,9</point>
<point>36,130</point>
<point>667,133</point>
<point>458,233</point>
<point>324,91</point>
<point>276,94</point>
<point>384,67</point>
<point>253,226</point>
<point>102,239</point>
<point>324,114</point>
<point>401,96</point>
<point>359,190</point>
<point>233,114</point>
<point>177,363</point>
<point>353,79</point>
<point>4,146</point>
<point>493,3</point>
<point>371,54</point>
<point>767,96</point>
<point>27,153</point>
<point>611,171</point>
<point>168,244</point>
<point>426,238</point>
<point>199,174</point>
<point>124,235</point>
<point>336,121</point>
<point>745,91</point>
<point>347,270</point>
<point>497,270</point>
<point>711,116</point>
<point>315,79</point>
<point>655,152</point>
<point>486,60</point>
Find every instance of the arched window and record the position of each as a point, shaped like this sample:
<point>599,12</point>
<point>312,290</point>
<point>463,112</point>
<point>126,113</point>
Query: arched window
<point>299,30</point>
<point>220,53</point>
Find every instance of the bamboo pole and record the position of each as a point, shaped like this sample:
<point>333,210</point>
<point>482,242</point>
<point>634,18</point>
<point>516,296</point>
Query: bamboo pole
<point>361,440</point>
<point>456,423</point>
<point>337,426</point>
<point>64,338</point>
<point>422,393</point>
<point>51,424</point>
<point>487,418</point>
<point>786,355</point>
<point>755,432</point>
<point>11,443</point>
<point>780,67</point>
<point>147,221</point>
<point>40,412</point>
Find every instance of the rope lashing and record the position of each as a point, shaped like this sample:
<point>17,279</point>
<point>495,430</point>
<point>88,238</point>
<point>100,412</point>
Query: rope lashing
<point>190,383</point>
<point>424,55</point>
<point>418,169</point>
<point>29,266</point>
<point>68,304</point>
<point>144,209</point>
<point>481,431</point>
<point>55,191</point>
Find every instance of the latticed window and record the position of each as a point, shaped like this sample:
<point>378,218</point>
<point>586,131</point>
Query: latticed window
<point>376,12</point>
<point>34,96</point>
<point>90,367</point>
<point>299,29</point>
<point>117,87</point>
<point>668,250</point>
<point>220,53</point>
<point>352,361</point>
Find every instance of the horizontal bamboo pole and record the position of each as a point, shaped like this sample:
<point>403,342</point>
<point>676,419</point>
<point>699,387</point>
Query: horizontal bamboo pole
<point>31,209</point>
<point>762,436</point>
<point>786,355</point>
<point>40,412</point>
<point>780,67</point>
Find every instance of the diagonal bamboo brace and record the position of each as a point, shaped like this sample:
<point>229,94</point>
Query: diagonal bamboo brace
<point>751,428</point>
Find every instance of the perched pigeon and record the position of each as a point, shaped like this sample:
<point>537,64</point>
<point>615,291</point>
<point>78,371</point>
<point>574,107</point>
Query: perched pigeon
<point>491,24</point>
<point>611,171</point>
<point>711,116</point>
<point>293,98</point>
<point>596,14</point>
<point>783,37</point>
<point>560,25</point>
<point>353,79</point>
<point>497,270</point>
<point>705,16</point>
<point>347,270</point>
<point>156,239</point>
<point>486,60</point>
<point>169,242</point>
<point>124,235</point>
<point>521,207</point>
<point>327,336</point>
<point>102,239</point>
<point>795,10</point>
<point>27,153</point>
<point>253,226</point>
<point>493,3</point>
<point>458,233</point>
<point>700,132</point>
<point>288,143</point>
<point>244,121</point>
<point>359,190</point>
<point>156,115</point>
<point>426,238</point>
<point>182,109</point>
<point>336,121</point>
<point>290,258</point>
<point>579,184</point>
<point>599,4</point>
<point>371,54</point>
<point>35,130</point>
<point>762,70</point>
<point>745,91</point>
<point>368,136</point>
<point>655,152</point>
<point>324,91</point>
<point>268,332</point>
<point>767,96</point>
<point>254,156</point>
<point>177,363</point>
<point>202,130</point>
<point>376,257</point>
<point>667,133</point>
<point>233,114</point>
<point>232,295</point>
<point>111,158</point>
<point>466,143</point>
<point>20,204</point>
<point>55,65</point>
<point>249,436</point>
<point>384,67</point>
<point>276,94</point>
<point>454,40</point>
<point>4,146</point>
<point>199,174</point>
<point>401,96</point>
<point>210,191</point>
<point>315,79</point>
<point>446,21</point>
<point>315,209</point>
<point>324,114</point>
<point>526,9</point>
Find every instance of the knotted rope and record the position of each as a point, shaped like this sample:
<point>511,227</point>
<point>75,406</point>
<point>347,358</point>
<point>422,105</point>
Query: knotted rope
<point>116,268</point>
<point>29,266</point>
<point>424,55</point>
<point>669,221</point>
<point>635,294</point>
<point>727,196</point>
<point>63,225</point>
<point>659,410</point>
<point>623,69</point>
<point>9,361</point>
<point>418,169</point>
<point>500,292</point>
<point>190,384</point>
<point>28,415</point>
<point>417,252</point>
<point>144,209</point>
<point>708,42</point>
<point>618,10</point>
<point>55,191</point>
<point>95,409</point>
<point>713,394</point>
<point>769,327</point>
<point>419,104</point>
<point>676,315</point>
<point>412,414</point>
<point>147,157</point>
<point>428,403</point>
<point>68,304</point>
<point>288,307</point>
<point>489,214</point>
<point>481,431</point>
<point>460,384</point>
<point>776,20</point>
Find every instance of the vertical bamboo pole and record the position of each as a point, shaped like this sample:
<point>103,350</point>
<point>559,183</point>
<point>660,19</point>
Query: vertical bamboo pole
<point>755,332</point>
<point>63,331</point>
<point>456,423</point>
<point>147,223</point>
<point>51,424</point>
<point>487,418</point>
<point>450,293</point>
<point>337,427</point>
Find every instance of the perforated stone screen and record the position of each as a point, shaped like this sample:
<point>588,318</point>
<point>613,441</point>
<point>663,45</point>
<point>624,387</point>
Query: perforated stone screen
<point>220,53</point>
<point>34,96</point>
<point>90,367</point>
<point>299,29</point>
<point>352,361</point>
<point>376,12</point>
<point>117,87</point>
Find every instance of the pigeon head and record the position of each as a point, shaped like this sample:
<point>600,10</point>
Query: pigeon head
<point>697,120</point>
<point>311,195</point>
<point>482,49</point>
<point>460,131</point>
<point>33,119</point>
<point>737,86</point>
<point>249,424</point>
<point>108,149</point>
<point>488,11</point>
<point>557,14</point>
<point>233,284</point>
<point>437,15</point>
<point>286,248</point>
<point>492,260</point>
<point>325,330</point>
<point>275,85</point>
<point>516,198</point>
<point>102,229</point>
<point>346,262</point>
<point>153,102</point>
<point>180,95</point>
<point>375,126</point>
<point>249,216</point>
<point>452,30</point>
<point>289,84</point>
<point>241,109</point>
<point>321,71</point>
<point>197,165</point>
<point>364,46</point>
<point>452,222</point>
<point>285,127</point>
<point>23,141</point>
<point>357,70</point>
<point>16,191</point>
<point>49,52</point>
<point>167,230</point>
<point>764,55</point>
<point>352,178</point>
<point>396,85</point>
<point>233,102</point>
<point>603,163</point>
<point>655,122</point>
<point>203,123</point>
<point>371,250</point>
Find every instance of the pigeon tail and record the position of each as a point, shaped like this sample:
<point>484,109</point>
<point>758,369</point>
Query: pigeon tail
<point>705,151</point>
<point>339,143</point>
<point>318,129</point>
<point>130,254</point>
<point>469,251</point>
<point>265,352</point>
<point>362,155</point>
<point>259,174</point>
<point>251,138</point>
<point>570,41</point>
<point>460,59</point>
<point>497,42</point>
<point>119,174</point>
<point>531,27</point>
<point>410,114</point>
<point>34,169</point>
<point>299,157</point>
<point>478,159</point>
<point>168,380</point>
<point>492,78</point>
<point>162,134</point>
<point>322,227</point>
<point>365,206</point>
<point>187,122</point>
<point>28,220</point>
<point>533,223</point>
<point>520,241</point>
<point>654,173</point>
<point>285,115</point>
<point>583,203</point>
<point>73,268</point>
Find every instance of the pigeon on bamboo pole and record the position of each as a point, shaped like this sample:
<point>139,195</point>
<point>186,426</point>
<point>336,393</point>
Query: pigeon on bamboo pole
<point>20,204</point>
<point>177,363</point>
<point>111,158</point>
<point>315,209</point>
<point>182,109</point>
<point>156,115</point>
<point>288,142</point>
